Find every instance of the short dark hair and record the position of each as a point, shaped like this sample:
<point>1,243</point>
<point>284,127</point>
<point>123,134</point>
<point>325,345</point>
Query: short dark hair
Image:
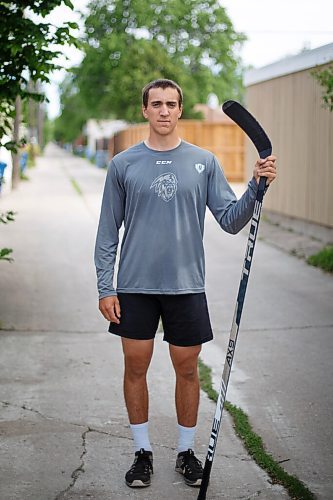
<point>161,83</point>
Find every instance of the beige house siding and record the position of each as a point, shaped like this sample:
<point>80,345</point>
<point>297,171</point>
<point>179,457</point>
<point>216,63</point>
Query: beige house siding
<point>291,110</point>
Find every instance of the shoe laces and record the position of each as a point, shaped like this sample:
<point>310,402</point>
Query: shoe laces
<point>191,462</point>
<point>142,462</point>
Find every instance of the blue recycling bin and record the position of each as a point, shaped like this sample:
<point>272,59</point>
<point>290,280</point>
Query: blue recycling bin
<point>3,165</point>
<point>101,158</point>
<point>23,161</point>
<point>88,153</point>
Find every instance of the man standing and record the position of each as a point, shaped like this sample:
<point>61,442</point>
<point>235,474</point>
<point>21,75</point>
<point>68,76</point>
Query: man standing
<point>159,189</point>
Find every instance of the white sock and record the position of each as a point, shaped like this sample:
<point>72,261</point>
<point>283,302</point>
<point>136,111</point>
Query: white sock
<point>140,436</point>
<point>185,438</point>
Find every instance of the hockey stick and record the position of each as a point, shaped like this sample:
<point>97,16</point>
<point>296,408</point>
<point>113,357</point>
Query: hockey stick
<point>264,147</point>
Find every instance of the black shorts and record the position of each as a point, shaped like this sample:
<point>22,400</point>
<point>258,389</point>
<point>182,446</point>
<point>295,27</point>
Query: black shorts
<point>185,318</point>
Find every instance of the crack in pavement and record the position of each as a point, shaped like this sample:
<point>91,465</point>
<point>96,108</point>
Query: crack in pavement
<point>88,429</point>
<point>79,470</point>
<point>87,426</point>
<point>56,419</point>
<point>25,407</point>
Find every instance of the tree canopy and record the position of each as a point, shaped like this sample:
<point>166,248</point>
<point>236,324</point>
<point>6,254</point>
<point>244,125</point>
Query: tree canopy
<point>130,42</point>
<point>197,33</point>
<point>68,126</point>
<point>27,52</point>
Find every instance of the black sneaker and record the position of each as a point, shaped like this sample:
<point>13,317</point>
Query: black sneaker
<point>139,474</point>
<point>188,465</point>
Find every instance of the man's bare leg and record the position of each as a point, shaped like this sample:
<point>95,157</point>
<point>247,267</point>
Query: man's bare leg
<point>185,362</point>
<point>137,356</point>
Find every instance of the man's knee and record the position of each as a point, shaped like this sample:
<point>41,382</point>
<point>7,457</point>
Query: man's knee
<point>185,362</point>
<point>187,372</point>
<point>137,356</point>
<point>136,367</point>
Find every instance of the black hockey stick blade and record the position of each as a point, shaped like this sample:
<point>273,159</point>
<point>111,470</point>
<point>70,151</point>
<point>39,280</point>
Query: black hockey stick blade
<point>250,125</point>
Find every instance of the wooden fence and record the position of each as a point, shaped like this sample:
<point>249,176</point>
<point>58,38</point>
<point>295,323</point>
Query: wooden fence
<point>224,139</point>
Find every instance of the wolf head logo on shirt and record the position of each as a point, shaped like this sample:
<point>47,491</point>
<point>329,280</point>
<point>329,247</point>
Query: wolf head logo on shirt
<point>165,186</point>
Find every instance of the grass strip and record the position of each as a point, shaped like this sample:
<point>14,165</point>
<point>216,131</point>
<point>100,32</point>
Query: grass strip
<point>253,442</point>
<point>323,259</point>
<point>76,186</point>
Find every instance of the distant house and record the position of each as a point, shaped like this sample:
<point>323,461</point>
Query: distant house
<point>212,114</point>
<point>98,133</point>
<point>287,99</point>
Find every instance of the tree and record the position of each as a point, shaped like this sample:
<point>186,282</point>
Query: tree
<point>129,42</point>
<point>27,53</point>
<point>68,126</point>
<point>111,77</point>
<point>325,78</point>
<point>197,33</point>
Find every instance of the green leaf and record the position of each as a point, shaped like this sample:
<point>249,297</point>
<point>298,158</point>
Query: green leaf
<point>73,26</point>
<point>69,4</point>
<point>11,146</point>
<point>4,253</point>
<point>325,79</point>
<point>7,217</point>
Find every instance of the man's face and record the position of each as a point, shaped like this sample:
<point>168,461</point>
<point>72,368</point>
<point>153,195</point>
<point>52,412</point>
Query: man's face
<point>163,110</point>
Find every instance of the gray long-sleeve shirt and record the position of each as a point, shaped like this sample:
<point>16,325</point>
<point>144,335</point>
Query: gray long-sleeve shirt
<point>161,197</point>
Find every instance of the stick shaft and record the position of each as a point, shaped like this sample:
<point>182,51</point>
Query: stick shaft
<point>232,338</point>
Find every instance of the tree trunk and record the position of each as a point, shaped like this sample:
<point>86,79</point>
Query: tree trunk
<point>40,125</point>
<point>16,133</point>
<point>32,122</point>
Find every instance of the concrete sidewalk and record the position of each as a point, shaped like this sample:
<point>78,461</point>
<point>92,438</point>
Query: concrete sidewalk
<point>63,422</point>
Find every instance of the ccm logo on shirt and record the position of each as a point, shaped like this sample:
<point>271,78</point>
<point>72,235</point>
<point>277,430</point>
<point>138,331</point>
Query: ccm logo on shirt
<point>163,162</point>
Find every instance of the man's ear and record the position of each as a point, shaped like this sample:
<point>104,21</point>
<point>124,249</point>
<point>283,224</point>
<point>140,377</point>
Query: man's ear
<point>180,111</point>
<point>144,112</point>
